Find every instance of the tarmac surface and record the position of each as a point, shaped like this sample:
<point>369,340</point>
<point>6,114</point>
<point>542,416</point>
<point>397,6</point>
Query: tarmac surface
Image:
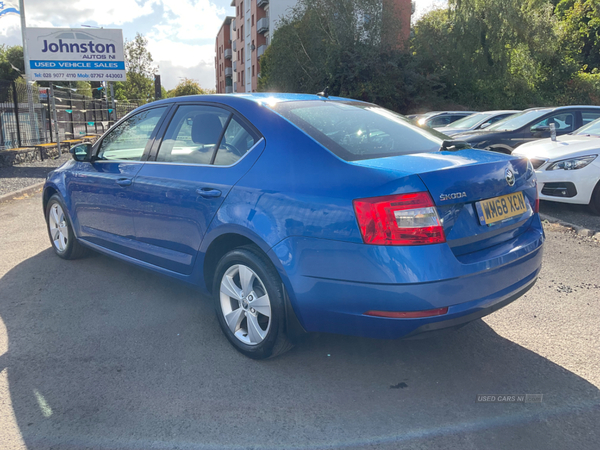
<point>97,354</point>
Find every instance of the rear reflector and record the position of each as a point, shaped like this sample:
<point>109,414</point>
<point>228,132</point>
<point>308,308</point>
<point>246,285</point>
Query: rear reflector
<point>405,219</point>
<point>408,314</point>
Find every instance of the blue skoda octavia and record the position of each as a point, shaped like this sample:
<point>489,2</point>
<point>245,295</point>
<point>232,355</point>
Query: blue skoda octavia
<point>303,213</point>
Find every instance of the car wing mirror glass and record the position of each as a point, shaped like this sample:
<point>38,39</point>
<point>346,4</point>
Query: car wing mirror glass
<point>485,125</point>
<point>82,152</point>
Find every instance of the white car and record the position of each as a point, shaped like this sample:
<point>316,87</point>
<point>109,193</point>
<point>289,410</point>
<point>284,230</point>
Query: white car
<point>568,169</point>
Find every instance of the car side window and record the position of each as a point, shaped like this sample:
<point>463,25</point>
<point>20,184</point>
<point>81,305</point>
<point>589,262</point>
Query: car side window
<point>563,122</point>
<point>128,140</point>
<point>237,140</point>
<point>193,134</point>
<point>589,117</point>
<point>495,119</point>
<point>439,121</point>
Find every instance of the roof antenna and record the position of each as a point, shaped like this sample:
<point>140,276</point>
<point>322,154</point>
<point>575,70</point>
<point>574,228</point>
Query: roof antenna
<point>325,93</point>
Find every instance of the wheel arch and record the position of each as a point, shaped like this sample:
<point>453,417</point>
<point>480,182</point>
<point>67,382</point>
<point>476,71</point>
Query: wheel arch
<point>232,237</point>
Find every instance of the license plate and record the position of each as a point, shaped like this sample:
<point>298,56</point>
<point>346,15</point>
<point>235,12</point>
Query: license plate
<point>501,208</point>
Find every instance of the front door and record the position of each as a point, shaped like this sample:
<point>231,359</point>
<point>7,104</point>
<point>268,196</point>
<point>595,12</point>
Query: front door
<point>101,190</point>
<point>204,152</point>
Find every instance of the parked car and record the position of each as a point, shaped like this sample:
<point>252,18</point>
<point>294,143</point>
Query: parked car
<point>303,213</point>
<point>477,121</point>
<point>436,119</point>
<point>530,125</point>
<point>568,169</point>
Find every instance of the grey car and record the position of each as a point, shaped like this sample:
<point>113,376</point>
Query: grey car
<point>477,121</point>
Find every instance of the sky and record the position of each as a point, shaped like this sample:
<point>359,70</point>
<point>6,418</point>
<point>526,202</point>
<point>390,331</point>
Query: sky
<point>181,33</point>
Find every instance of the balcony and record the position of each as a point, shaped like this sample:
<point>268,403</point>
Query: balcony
<point>262,26</point>
<point>233,25</point>
<point>234,46</point>
<point>261,50</point>
<point>235,66</point>
<point>235,87</point>
<point>262,2</point>
<point>228,71</point>
<point>228,89</point>
<point>228,53</point>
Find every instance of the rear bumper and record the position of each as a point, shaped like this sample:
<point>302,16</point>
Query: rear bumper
<point>334,283</point>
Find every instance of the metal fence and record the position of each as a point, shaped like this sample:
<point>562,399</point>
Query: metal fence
<point>22,122</point>
<point>26,116</point>
<point>79,115</point>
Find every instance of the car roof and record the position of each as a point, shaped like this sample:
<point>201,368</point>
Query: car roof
<point>559,108</point>
<point>257,97</point>
<point>503,111</point>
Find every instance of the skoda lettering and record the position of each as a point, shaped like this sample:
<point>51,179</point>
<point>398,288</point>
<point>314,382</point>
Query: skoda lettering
<point>453,196</point>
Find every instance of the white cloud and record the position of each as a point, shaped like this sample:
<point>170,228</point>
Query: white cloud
<point>178,43</point>
<point>203,73</point>
<point>424,6</point>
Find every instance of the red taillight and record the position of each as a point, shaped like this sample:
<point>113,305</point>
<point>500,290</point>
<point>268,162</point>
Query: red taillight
<point>405,219</point>
<point>408,314</point>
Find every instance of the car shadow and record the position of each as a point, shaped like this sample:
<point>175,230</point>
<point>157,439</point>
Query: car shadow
<point>102,354</point>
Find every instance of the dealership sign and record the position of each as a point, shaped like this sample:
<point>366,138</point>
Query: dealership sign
<point>75,54</point>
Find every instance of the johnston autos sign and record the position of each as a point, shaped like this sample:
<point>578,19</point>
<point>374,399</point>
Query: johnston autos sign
<point>75,54</point>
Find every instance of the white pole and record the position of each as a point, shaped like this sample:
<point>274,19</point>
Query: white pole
<point>55,118</point>
<point>29,86</point>
<point>23,28</point>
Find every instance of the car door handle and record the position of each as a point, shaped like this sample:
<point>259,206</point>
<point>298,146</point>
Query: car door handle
<point>124,181</point>
<point>208,192</point>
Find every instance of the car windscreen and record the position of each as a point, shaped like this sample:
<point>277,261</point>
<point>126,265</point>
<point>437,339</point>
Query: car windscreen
<point>518,120</point>
<point>355,131</point>
<point>469,121</point>
<point>590,128</point>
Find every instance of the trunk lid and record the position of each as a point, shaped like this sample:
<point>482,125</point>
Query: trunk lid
<point>458,181</point>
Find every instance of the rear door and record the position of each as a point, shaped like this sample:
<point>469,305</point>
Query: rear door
<point>101,191</point>
<point>205,150</point>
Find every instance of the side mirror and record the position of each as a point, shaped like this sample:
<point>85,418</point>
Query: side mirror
<point>484,125</point>
<point>82,152</point>
<point>539,129</point>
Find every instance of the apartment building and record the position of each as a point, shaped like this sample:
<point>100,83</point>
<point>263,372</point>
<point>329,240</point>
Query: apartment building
<point>250,31</point>
<point>223,55</point>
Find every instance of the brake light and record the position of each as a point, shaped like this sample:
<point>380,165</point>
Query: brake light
<point>405,219</point>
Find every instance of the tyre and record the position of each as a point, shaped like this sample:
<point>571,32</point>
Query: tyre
<point>249,302</point>
<point>60,230</point>
<point>595,201</point>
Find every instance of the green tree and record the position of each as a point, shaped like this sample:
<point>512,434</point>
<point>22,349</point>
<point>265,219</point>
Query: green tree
<point>491,54</point>
<point>187,86</point>
<point>12,65</point>
<point>140,72</point>
<point>342,44</point>
<point>581,32</point>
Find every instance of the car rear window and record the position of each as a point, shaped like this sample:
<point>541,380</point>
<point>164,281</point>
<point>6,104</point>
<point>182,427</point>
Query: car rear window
<point>355,131</point>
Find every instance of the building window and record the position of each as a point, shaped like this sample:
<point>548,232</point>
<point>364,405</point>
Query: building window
<point>253,70</point>
<point>241,9</point>
<point>252,19</point>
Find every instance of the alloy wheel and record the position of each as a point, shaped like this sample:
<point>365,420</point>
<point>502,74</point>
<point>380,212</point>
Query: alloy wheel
<point>245,304</point>
<point>57,224</point>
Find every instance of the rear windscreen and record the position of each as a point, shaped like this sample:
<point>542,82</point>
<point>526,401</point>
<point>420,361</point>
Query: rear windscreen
<point>354,131</point>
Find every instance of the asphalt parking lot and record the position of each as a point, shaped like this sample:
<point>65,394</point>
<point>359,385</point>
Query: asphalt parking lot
<point>579,215</point>
<point>96,354</point>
